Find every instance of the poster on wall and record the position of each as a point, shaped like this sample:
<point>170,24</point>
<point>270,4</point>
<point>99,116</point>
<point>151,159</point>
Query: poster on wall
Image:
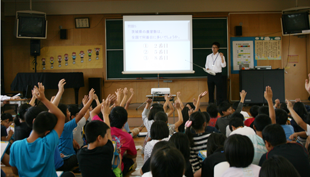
<point>268,48</point>
<point>56,54</point>
<point>242,53</point>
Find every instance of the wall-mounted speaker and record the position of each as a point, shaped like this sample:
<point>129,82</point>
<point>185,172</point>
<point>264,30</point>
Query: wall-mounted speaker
<point>63,33</point>
<point>238,30</point>
<point>35,47</point>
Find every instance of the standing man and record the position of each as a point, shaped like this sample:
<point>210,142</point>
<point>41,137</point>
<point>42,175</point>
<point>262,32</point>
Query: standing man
<point>215,62</point>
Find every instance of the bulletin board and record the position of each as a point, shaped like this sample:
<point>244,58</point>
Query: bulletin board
<point>242,52</point>
<point>268,48</point>
<point>69,57</point>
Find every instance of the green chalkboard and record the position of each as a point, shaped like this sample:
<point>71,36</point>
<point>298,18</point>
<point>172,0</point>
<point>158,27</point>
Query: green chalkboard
<point>205,32</point>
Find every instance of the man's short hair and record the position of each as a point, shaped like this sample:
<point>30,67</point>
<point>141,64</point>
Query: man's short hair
<point>217,44</point>
<point>281,116</point>
<point>224,106</point>
<point>45,121</point>
<point>118,117</point>
<point>212,110</point>
<point>261,121</point>
<point>94,129</point>
<point>274,134</point>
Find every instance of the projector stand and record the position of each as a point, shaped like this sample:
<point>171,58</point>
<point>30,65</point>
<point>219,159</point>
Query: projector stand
<point>158,80</point>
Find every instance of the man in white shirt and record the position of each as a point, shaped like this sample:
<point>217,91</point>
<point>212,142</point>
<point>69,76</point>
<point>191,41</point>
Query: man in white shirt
<point>215,62</point>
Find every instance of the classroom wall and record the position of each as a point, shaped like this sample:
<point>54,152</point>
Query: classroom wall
<point>16,54</point>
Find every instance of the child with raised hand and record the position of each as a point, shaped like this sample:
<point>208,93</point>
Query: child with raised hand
<point>95,114</point>
<point>163,117</point>
<point>168,103</point>
<point>66,140</point>
<point>226,112</point>
<point>34,156</point>
<point>198,140</point>
<point>22,130</point>
<point>95,159</point>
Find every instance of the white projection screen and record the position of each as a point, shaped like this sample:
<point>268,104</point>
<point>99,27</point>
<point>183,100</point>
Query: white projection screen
<point>160,44</point>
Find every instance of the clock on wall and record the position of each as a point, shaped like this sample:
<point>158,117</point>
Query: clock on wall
<point>82,22</point>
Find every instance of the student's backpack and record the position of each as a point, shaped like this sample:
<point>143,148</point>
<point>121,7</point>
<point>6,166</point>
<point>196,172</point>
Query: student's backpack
<point>117,145</point>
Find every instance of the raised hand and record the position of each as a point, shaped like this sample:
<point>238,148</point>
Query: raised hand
<point>203,94</point>
<point>39,92</point>
<point>221,54</point>
<point>268,93</point>
<point>149,101</point>
<point>277,103</point>
<point>84,100</point>
<point>178,94</point>
<point>166,97</point>
<point>61,85</point>
<point>297,100</point>
<point>91,94</point>
<point>177,104</point>
<point>131,91</point>
<point>52,98</point>
<point>95,97</point>
<point>125,91</point>
<point>289,104</point>
<point>307,84</point>
<point>105,107</point>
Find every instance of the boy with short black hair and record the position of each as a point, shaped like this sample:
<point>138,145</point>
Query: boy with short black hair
<point>95,159</point>
<point>281,119</point>
<point>226,111</point>
<point>6,121</point>
<point>34,156</point>
<point>213,112</point>
<point>253,113</point>
<point>118,118</point>
<point>276,144</point>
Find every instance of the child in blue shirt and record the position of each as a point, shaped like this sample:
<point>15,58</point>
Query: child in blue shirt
<point>65,145</point>
<point>34,156</point>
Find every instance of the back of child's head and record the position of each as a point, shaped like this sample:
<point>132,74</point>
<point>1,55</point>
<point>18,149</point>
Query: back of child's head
<point>6,116</point>
<point>263,110</point>
<point>94,129</point>
<point>159,145</point>
<point>118,117</point>
<point>159,130</point>
<point>156,105</point>
<point>254,111</point>
<point>278,166</point>
<point>212,110</point>
<point>161,115</point>
<point>281,117</point>
<point>261,121</point>
<point>181,142</point>
<point>274,134</point>
<point>237,115</point>
<point>235,105</point>
<point>301,110</point>
<point>22,109</point>
<point>185,118</point>
<point>153,111</point>
<point>167,162</point>
<point>74,110</point>
<point>44,122</point>
<point>283,106</point>
<point>236,122</point>
<point>207,116</point>
<point>223,107</point>
<point>196,122</point>
<point>215,142</point>
<point>239,151</point>
<point>63,108</point>
<point>31,114</point>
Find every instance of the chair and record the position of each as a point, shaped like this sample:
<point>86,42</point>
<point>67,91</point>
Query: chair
<point>220,168</point>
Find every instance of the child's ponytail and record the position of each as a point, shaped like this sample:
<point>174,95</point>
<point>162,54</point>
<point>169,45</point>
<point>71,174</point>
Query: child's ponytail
<point>188,132</point>
<point>22,109</point>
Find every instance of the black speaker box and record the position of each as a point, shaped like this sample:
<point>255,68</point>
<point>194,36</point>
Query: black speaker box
<point>95,83</point>
<point>35,47</point>
<point>63,34</point>
<point>238,30</point>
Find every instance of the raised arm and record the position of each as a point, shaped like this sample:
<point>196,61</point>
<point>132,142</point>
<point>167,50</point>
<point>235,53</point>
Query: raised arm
<point>168,102</point>
<point>295,116</point>
<point>106,109</point>
<point>84,101</point>
<point>85,108</point>
<point>118,94</point>
<point>39,94</point>
<point>125,91</point>
<point>33,99</point>
<point>180,116</point>
<point>268,96</point>
<point>198,100</point>
<point>307,84</point>
<point>96,99</point>
<point>61,90</point>
<point>242,98</point>
<point>97,110</point>
<point>130,98</point>
<point>180,101</point>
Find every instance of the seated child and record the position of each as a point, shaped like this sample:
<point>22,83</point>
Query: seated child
<point>209,129</point>
<point>235,107</point>
<point>213,112</point>
<point>6,121</point>
<point>237,127</point>
<point>253,114</point>
<point>118,118</point>
<point>22,130</point>
<point>281,119</point>
<point>226,111</point>
<point>34,156</point>
<point>159,132</point>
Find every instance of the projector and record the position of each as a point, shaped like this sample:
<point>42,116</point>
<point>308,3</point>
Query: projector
<point>160,91</point>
